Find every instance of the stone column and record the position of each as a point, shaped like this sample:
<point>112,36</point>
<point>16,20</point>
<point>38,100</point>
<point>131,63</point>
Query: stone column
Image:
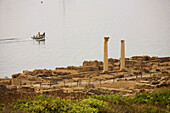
<point>122,59</point>
<point>105,60</point>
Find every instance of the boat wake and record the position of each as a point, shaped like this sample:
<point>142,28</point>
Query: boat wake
<point>14,40</point>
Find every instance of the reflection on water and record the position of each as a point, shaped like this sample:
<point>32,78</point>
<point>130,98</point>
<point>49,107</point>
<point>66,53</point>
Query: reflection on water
<point>41,41</point>
<point>75,30</point>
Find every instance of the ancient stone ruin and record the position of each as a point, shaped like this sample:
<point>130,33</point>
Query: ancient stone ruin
<point>123,76</point>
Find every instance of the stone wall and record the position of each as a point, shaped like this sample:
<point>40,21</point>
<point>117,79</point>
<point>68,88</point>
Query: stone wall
<point>144,58</point>
<point>130,63</point>
<point>87,68</point>
<point>110,67</point>
<point>97,65</point>
<point>164,59</point>
<point>16,81</point>
<point>92,63</point>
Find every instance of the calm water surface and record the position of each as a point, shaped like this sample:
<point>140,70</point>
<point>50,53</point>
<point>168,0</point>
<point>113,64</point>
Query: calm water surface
<point>75,31</point>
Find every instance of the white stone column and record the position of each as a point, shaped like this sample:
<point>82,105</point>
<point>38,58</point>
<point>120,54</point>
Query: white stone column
<point>105,60</point>
<point>122,59</point>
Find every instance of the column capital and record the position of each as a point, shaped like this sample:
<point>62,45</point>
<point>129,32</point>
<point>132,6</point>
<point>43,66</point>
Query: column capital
<point>106,38</point>
<point>122,40</point>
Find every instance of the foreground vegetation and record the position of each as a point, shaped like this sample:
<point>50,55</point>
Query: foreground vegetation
<point>157,102</point>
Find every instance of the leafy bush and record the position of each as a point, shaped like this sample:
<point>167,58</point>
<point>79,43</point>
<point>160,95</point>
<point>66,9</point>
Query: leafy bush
<point>161,98</point>
<point>94,103</point>
<point>1,107</point>
<point>44,103</point>
<point>114,97</point>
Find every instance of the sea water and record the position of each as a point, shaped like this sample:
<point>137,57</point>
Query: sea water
<point>75,31</point>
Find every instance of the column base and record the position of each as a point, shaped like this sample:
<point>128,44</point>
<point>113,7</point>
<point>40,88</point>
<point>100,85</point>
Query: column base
<point>123,70</point>
<point>105,72</point>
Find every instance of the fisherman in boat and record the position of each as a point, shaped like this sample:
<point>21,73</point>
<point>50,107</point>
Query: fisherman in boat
<point>38,35</point>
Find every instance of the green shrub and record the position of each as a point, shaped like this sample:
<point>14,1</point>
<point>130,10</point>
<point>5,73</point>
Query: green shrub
<point>161,98</point>
<point>1,107</point>
<point>114,97</point>
<point>94,103</point>
<point>48,104</point>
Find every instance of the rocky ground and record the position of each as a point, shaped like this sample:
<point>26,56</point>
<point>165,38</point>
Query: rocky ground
<point>121,86</point>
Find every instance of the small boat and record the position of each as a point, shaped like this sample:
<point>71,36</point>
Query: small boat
<point>39,37</point>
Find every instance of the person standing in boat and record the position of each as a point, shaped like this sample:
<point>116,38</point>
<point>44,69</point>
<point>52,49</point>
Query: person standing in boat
<point>38,35</point>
